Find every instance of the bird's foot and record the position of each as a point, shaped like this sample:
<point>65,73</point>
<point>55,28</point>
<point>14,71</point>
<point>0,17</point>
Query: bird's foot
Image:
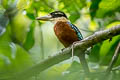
<point>73,50</point>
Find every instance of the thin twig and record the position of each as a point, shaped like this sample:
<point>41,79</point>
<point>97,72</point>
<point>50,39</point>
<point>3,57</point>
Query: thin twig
<point>116,68</point>
<point>82,59</point>
<point>114,59</point>
<point>41,37</point>
<point>42,42</point>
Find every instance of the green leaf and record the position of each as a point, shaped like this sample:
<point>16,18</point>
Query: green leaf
<point>5,3</point>
<point>8,4</point>
<point>74,66</point>
<point>75,17</point>
<point>95,53</point>
<point>22,4</point>
<point>94,7</point>
<point>5,34</point>
<point>55,72</point>
<point>3,20</point>
<point>13,59</point>
<point>30,12</point>
<point>107,7</point>
<point>31,15</point>
<point>75,72</point>
<point>74,8</point>
<point>27,5</point>
<point>29,42</point>
<point>107,49</point>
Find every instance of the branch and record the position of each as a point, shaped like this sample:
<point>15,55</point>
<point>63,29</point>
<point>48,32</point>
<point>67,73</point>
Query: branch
<point>114,59</point>
<point>66,53</point>
<point>116,68</point>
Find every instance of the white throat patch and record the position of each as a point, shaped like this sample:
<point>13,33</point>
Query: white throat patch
<point>63,19</point>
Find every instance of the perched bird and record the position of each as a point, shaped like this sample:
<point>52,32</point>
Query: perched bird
<point>66,32</point>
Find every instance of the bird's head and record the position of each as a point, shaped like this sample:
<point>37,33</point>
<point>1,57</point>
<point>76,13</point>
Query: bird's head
<point>54,16</point>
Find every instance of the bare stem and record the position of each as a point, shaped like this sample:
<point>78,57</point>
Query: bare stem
<point>84,63</point>
<point>114,59</point>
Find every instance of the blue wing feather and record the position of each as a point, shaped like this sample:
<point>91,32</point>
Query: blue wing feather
<point>80,37</point>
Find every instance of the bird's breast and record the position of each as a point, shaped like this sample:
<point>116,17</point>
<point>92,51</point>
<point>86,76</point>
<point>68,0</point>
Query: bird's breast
<point>65,33</point>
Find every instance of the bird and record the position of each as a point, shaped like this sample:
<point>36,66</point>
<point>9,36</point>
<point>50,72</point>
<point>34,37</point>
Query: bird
<point>66,32</point>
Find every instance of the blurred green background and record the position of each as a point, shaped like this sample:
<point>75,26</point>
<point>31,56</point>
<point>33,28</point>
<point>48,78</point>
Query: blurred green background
<point>25,41</point>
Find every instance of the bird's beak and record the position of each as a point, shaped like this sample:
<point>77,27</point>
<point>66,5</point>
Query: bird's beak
<point>45,18</point>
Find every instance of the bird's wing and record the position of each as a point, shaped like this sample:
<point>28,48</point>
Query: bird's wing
<point>80,37</point>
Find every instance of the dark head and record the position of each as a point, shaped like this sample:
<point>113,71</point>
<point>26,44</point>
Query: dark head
<point>57,14</point>
<point>52,16</point>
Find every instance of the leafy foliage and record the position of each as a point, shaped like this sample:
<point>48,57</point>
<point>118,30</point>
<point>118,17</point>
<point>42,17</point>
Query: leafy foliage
<point>74,8</point>
<point>94,7</point>
<point>107,6</point>
<point>24,40</point>
<point>29,42</point>
<point>13,59</point>
<point>3,20</point>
